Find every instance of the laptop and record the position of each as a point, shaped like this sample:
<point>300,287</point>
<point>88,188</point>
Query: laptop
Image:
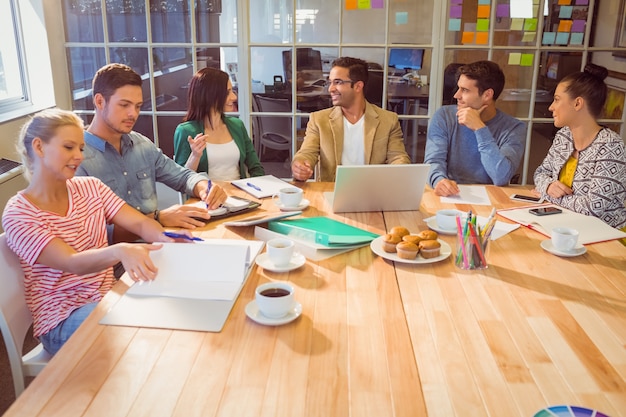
<point>362,188</point>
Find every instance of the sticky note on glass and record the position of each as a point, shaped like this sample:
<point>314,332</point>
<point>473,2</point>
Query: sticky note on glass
<point>578,25</point>
<point>530,24</point>
<point>549,38</point>
<point>529,37</point>
<point>515,58</point>
<point>527,60</point>
<point>562,38</point>
<point>468,37</point>
<point>565,26</point>
<point>454,25</point>
<point>456,12</point>
<point>517,24</point>
<point>483,11</point>
<point>576,38</point>
<point>565,2</point>
<point>582,2</point>
<point>402,18</point>
<point>377,4</point>
<point>364,4</point>
<point>503,10</point>
<point>566,12</point>
<point>350,4</point>
<point>482,25</point>
<point>482,38</point>
<point>484,1</point>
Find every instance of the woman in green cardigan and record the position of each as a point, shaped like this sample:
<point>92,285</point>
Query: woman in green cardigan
<point>208,140</point>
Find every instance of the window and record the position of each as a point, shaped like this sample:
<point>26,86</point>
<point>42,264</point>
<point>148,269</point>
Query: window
<point>26,84</point>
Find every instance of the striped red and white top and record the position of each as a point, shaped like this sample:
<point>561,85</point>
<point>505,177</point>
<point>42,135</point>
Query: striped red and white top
<point>52,294</point>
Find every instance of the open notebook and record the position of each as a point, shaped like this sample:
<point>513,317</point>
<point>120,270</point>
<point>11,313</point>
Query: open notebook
<point>378,187</point>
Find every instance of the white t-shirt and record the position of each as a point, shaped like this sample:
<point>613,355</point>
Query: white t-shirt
<point>353,142</point>
<point>223,161</point>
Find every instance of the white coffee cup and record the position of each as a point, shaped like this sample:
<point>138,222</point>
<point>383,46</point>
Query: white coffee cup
<point>446,219</point>
<point>564,238</point>
<point>280,251</point>
<point>275,299</point>
<point>289,197</point>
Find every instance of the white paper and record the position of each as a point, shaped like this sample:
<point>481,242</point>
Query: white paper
<point>470,194</point>
<point>267,185</point>
<point>210,270</point>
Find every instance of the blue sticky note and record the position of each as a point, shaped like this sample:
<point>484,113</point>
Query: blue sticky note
<point>549,38</point>
<point>484,1</point>
<point>576,38</point>
<point>454,25</point>
<point>562,38</point>
<point>402,18</point>
<point>566,12</point>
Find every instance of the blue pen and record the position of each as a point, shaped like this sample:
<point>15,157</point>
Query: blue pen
<point>208,190</point>
<point>256,187</point>
<point>175,235</point>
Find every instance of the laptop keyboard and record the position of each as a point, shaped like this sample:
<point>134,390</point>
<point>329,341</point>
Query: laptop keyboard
<point>6,165</point>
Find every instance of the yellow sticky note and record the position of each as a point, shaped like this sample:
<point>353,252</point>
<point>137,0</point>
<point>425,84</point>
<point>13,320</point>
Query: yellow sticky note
<point>484,11</point>
<point>529,37</point>
<point>364,4</point>
<point>482,38</point>
<point>350,4</point>
<point>468,37</point>
<point>565,26</point>
<point>482,25</point>
<point>517,23</point>
<point>515,58</point>
<point>527,60</point>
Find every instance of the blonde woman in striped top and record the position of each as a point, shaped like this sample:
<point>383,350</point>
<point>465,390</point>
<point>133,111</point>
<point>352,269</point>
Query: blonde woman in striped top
<point>57,227</point>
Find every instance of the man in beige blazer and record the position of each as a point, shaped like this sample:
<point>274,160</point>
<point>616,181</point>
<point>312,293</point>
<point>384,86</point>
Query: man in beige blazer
<point>352,132</point>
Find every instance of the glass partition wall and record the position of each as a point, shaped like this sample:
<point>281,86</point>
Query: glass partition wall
<point>278,54</point>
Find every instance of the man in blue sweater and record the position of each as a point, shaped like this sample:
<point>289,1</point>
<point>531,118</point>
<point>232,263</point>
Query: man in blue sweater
<point>473,142</point>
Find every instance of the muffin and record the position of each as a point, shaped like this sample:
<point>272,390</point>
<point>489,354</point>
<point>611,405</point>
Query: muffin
<point>390,241</point>
<point>428,235</point>
<point>430,248</point>
<point>407,250</point>
<point>400,231</point>
<point>412,238</point>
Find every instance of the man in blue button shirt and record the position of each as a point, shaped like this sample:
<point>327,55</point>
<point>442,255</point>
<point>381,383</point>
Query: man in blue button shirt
<point>130,163</point>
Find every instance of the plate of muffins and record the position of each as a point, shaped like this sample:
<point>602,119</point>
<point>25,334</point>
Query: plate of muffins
<point>400,245</point>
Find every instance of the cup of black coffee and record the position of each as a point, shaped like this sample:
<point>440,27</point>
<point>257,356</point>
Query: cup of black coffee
<point>275,299</point>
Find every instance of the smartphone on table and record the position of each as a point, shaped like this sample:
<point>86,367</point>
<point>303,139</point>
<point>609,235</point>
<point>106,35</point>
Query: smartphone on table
<point>526,198</point>
<point>545,211</point>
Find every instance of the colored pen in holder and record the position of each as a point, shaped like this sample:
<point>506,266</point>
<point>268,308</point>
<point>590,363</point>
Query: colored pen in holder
<point>472,242</point>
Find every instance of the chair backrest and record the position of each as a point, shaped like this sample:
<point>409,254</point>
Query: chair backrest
<point>374,88</point>
<point>15,317</point>
<point>273,126</point>
<point>449,83</point>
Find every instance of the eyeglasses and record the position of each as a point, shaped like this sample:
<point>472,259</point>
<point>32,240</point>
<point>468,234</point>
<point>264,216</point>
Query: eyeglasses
<point>337,82</point>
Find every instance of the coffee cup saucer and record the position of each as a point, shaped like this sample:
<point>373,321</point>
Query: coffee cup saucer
<point>303,204</point>
<point>297,260</point>
<point>549,247</point>
<point>252,311</point>
<point>432,224</point>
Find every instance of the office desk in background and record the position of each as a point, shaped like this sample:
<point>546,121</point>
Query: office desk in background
<point>374,338</point>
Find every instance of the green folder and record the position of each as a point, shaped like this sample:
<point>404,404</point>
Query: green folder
<point>324,231</point>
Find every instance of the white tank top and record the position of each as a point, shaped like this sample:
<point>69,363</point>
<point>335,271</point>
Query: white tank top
<point>223,161</point>
<point>353,142</point>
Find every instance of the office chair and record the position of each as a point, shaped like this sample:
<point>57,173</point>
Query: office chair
<point>167,197</point>
<point>449,83</point>
<point>374,88</point>
<point>274,132</point>
<point>15,320</point>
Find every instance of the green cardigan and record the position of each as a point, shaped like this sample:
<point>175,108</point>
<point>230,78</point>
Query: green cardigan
<point>248,159</point>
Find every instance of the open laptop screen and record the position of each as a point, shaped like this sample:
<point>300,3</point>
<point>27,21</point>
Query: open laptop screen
<point>362,188</point>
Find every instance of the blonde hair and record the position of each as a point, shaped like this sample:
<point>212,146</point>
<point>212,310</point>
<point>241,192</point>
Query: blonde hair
<point>43,125</point>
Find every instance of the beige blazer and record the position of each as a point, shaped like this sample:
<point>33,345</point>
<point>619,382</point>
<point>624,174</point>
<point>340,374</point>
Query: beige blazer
<point>323,141</point>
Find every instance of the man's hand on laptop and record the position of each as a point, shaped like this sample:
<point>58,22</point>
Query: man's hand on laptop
<point>446,187</point>
<point>301,170</point>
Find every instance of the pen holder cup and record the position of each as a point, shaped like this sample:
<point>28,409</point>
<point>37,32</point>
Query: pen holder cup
<point>471,252</point>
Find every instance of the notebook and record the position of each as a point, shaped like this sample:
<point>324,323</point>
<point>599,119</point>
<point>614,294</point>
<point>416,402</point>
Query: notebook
<point>378,187</point>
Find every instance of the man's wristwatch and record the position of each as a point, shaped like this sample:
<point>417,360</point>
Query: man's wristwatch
<point>156,215</point>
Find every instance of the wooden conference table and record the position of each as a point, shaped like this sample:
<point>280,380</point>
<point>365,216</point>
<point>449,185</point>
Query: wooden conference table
<point>374,339</point>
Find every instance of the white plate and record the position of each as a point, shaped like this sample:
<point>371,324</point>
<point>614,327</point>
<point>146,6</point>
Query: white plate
<point>252,311</point>
<point>297,260</point>
<point>577,251</point>
<point>377,248</point>
<point>303,204</point>
<point>432,224</point>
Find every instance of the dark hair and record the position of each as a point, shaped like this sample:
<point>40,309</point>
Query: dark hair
<point>113,76</point>
<point>589,85</point>
<point>357,68</point>
<point>487,75</point>
<point>208,91</point>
